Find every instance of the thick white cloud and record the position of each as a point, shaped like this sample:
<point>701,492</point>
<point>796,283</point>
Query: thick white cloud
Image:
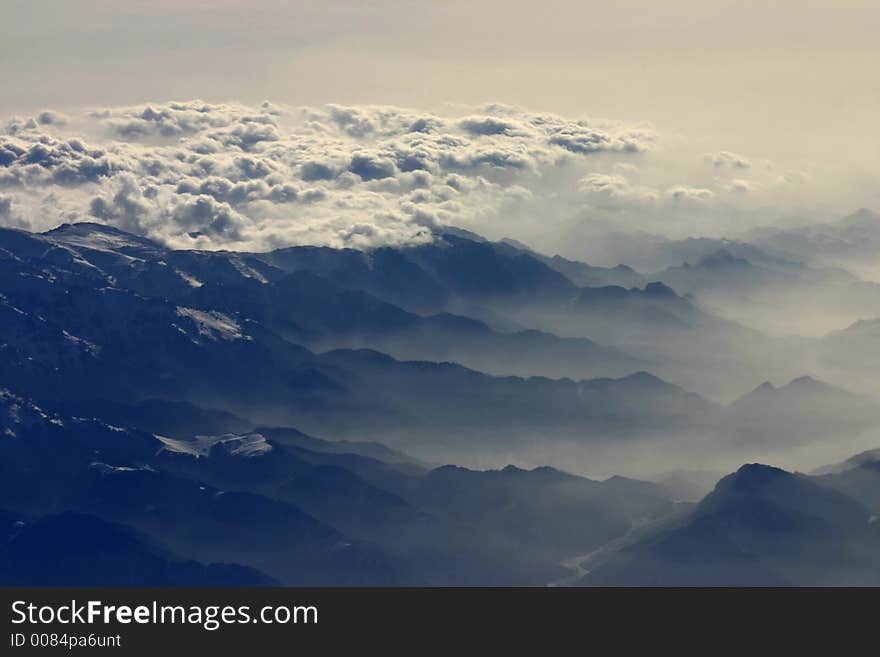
<point>200,175</point>
<point>203,175</point>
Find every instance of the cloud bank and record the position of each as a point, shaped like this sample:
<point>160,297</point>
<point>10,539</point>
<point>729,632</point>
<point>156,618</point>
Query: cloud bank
<point>209,176</point>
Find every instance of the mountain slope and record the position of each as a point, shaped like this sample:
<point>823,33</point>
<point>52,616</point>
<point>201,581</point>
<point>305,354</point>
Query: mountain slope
<point>760,526</point>
<point>101,340</point>
<point>54,463</point>
<point>494,292</point>
<point>303,517</point>
<point>73,549</point>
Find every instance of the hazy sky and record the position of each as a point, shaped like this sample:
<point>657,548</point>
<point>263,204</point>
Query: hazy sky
<point>792,78</point>
<point>791,85</point>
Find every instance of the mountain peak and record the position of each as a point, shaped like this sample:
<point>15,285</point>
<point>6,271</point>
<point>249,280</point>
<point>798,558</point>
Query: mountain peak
<point>801,387</point>
<point>460,233</point>
<point>644,378</point>
<point>722,258</point>
<point>660,290</point>
<point>752,475</point>
<point>757,395</point>
<point>85,227</point>
<point>101,237</point>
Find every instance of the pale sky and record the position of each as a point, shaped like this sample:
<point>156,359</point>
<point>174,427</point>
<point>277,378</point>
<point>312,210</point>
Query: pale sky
<point>783,78</point>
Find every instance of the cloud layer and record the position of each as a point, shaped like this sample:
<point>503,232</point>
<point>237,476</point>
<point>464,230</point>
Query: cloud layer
<point>199,175</point>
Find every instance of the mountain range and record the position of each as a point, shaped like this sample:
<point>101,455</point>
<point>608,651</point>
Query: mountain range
<point>260,507</point>
<point>293,417</point>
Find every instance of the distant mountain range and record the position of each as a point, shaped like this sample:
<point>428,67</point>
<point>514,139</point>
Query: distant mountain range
<point>165,406</point>
<point>762,290</point>
<point>96,319</point>
<point>850,242</point>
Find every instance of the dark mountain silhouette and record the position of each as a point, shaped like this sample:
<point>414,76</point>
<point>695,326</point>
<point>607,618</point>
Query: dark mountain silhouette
<point>74,549</point>
<point>314,311</point>
<point>325,515</point>
<point>495,292</point>
<point>53,462</point>
<point>100,340</point>
<point>534,508</point>
<point>580,273</point>
<point>506,285</point>
<point>760,526</point>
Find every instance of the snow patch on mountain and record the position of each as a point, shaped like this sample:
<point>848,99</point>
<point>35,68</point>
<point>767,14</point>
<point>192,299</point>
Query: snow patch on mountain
<point>246,270</point>
<point>246,445</point>
<point>190,280</point>
<point>91,347</point>
<point>17,413</point>
<point>98,237</point>
<point>212,324</point>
